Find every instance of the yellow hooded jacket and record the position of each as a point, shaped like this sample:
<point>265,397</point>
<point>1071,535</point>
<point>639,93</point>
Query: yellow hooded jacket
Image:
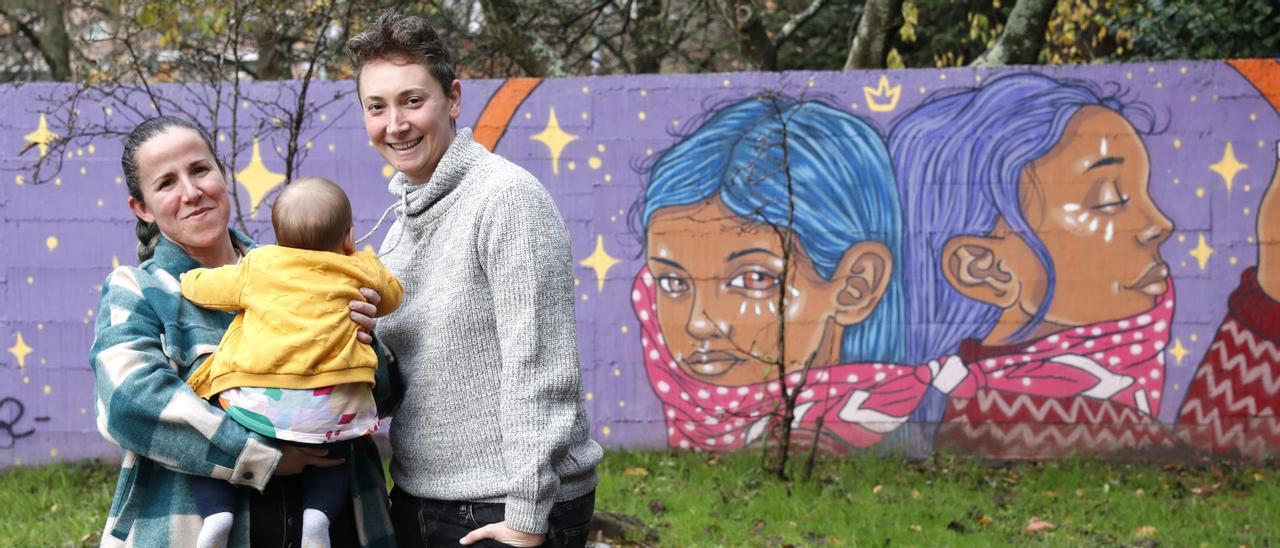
<point>294,328</point>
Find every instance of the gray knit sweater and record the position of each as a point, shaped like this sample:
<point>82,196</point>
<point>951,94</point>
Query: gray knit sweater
<point>487,341</point>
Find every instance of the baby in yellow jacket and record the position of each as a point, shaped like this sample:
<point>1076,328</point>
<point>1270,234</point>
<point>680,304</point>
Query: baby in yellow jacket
<point>289,366</point>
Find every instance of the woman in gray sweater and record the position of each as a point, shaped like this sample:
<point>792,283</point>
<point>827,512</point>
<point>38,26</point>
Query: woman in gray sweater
<point>490,441</point>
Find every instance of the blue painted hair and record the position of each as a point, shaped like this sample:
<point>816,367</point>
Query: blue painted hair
<point>842,189</point>
<point>959,161</point>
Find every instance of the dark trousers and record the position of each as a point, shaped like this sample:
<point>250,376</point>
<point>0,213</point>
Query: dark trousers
<point>276,513</point>
<point>426,522</point>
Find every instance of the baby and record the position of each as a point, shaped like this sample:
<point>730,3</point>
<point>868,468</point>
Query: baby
<point>289,367</point>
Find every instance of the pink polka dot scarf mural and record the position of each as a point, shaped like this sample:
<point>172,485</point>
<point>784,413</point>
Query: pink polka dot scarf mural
<point>858,404</point>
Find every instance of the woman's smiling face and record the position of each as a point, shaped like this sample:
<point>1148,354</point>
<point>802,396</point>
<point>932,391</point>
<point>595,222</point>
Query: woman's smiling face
<point>721,296</point>
<point>408,114</point>
<point>183,190</point>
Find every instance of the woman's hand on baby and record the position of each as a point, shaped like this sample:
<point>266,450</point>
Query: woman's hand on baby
<point>294,458</point>
<point>362,312</point>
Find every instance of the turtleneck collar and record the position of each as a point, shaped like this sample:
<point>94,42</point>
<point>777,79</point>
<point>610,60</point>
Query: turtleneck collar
<point>456,162</point>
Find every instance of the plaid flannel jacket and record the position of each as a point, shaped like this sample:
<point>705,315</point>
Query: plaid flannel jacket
<point>147,340</point>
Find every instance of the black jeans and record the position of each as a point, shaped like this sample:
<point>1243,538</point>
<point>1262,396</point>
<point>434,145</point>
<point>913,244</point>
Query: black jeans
<point>275,516</point>
<point>426,522</point>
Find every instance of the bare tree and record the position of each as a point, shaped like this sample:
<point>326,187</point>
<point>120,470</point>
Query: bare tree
<point>43,26</point>
<point>1023,35</point>
<point>880,19</point>
<point>511,29</point>
<point>211,66</point>
<point>759,46</point>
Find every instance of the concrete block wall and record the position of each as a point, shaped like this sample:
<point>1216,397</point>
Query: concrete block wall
<point>679,288</point>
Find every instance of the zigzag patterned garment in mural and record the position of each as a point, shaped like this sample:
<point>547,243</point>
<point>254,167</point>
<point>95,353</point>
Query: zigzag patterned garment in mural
<point>1001,424</point>
<point>1232,404</point>
<point>859,403</point>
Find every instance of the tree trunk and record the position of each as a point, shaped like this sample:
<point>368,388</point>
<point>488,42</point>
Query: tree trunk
<point>273,54</point>
<point>880,18</point>
<point>648,35</point>
<point>50,39</point>
<point>1023,35</point>
<point>528,50</point>
<point>757,48</point>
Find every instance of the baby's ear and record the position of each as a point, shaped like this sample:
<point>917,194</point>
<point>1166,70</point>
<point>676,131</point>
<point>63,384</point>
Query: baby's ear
<point>349,242</point>
<point>974,266</point>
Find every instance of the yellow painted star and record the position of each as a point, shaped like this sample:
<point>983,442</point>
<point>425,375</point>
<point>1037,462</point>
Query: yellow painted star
<point>1228,166</point>
<point>257,179</point>
<point>1178,351</point>
<point>1202,252</point>
<point>599,261</point>
<point>41,136</point>
<point>20,350</point>
<point>555,139</point>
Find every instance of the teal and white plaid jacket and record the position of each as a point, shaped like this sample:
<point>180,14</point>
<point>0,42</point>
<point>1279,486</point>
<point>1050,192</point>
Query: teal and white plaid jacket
<point>148,339</point>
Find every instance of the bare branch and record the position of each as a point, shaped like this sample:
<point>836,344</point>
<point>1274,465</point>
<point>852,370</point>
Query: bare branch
<point>796,21</point>
<point>880,19</point>
<point>1023,35</point>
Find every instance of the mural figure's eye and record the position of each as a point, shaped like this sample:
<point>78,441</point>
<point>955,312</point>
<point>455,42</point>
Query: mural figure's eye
<point>754,280</point>
<point>673,285</point>
<point>1112,206</point>
<point>1110,199</point>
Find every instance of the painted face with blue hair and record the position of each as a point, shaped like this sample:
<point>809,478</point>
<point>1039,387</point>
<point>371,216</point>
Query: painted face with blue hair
<point>1029,213</point>
<point>770,236</point>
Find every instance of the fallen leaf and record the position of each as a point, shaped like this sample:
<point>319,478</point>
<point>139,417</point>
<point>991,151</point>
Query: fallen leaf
<point>792,523</point>
<point>1206,489</point>
<point>1036,525</point>
<point>915,495</point>
<point>53,508</point>
<point>636,471</point>
<point>1146,531</point>
<point>916,528</point>
<point>1140,492</point>
<point>984,521</point>
<point>1257,476</point>
<point>876,490</point>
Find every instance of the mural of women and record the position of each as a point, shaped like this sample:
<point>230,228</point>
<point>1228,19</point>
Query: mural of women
<point>708,299</point>
<point>721,301</point>
<point>1032,239</point>
<point>1233,402</point>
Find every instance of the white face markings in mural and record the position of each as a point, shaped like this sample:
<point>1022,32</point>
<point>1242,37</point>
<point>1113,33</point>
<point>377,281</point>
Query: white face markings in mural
<point>793,301</point>
<point>739,289</point>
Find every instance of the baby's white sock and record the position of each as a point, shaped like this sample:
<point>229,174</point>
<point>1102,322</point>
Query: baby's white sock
<point>216,531</point>
<point>315,529</point>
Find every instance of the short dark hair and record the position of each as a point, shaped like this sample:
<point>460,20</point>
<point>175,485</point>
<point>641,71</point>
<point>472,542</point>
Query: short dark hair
<point>395,34</point>
<point>311,213</point>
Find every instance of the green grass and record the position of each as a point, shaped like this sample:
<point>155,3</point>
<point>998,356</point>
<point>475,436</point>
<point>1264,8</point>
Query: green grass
<point>698,500</point>
<point>701,500</point>
<point>56,505</point>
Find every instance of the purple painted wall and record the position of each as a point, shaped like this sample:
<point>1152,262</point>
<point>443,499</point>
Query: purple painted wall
<point>590,141</point>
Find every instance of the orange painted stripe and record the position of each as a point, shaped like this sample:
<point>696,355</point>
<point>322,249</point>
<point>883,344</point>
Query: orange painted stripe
<point>1264,74</point>
<point>497,114</point>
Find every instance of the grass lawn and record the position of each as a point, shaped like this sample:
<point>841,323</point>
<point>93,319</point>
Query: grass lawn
<point>701,500</point>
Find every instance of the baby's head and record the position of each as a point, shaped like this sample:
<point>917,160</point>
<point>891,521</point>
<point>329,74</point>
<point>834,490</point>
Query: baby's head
<point>313,213</point>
